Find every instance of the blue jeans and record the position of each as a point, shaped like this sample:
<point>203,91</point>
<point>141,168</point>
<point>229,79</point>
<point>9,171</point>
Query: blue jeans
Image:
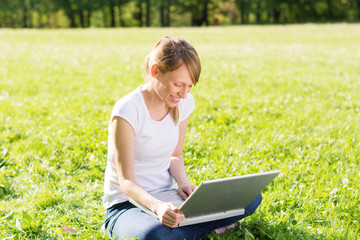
<point>124,220</point>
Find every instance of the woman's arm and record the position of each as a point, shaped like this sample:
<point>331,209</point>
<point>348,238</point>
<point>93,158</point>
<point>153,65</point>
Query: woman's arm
<point>124,137</point>
<point>177,166</point>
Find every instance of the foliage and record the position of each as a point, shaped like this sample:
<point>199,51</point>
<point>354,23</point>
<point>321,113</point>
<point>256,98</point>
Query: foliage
<point>269,97</point>
<point>121,13</point>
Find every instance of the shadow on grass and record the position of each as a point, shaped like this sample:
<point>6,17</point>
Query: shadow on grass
<point>262,229</point>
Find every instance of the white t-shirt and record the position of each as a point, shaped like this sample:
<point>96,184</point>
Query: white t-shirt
<point>155,141</point>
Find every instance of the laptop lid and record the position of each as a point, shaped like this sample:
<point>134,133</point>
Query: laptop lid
<point>226,194</point>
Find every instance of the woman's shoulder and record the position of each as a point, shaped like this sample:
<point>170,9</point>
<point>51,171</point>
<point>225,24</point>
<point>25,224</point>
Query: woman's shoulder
<point>132,99</point>
<point>129,108</point>
<point>129,103</point>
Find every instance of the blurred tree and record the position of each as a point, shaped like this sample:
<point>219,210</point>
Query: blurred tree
<point>258,11</point>
<point>44,10</point>
<point>225,12</point>
<point>112,12</point>
<point>243,6</point>
<point>198,9</point>
<point>7,13</point>
<point>148,12</point>
<point>26,6</point>
<point>165,13</point>
<point>78,13</point>
<point>330,9</point>
<point>115,9</point>
<point>85,8</point>
<point>70,9</point>
<point>121,4</point>
<point>138,14</point>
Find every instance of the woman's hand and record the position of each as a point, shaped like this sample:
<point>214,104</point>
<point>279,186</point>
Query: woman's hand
<point>168,215</point>
<point>185,190</point>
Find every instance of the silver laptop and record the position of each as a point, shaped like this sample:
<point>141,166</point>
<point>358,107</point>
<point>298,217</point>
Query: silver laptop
<point>216,199</point>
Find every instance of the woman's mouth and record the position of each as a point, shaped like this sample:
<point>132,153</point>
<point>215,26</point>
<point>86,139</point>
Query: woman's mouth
<point>175,100</point>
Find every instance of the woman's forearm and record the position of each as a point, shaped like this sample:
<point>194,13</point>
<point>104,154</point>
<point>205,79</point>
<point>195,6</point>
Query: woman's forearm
<point>141,196</point>
<point>177,170</point>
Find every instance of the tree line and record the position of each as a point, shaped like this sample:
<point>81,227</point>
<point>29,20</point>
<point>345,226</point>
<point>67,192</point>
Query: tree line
<point>130,13</point>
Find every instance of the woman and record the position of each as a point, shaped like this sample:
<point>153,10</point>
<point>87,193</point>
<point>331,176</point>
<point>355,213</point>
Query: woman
<point>146,137</point>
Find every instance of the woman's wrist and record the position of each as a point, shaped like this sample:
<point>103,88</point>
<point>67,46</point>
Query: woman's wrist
<point>156,206</point>
<point>183,181</point>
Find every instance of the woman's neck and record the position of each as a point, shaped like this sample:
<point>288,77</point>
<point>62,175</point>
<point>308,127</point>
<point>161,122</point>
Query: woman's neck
<point>155,105</point>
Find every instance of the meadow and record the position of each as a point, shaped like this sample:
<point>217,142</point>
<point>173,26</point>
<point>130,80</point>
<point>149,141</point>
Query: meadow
<point>281,97</point>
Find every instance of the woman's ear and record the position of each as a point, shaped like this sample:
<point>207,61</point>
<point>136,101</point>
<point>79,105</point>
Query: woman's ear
<point>154,70</point>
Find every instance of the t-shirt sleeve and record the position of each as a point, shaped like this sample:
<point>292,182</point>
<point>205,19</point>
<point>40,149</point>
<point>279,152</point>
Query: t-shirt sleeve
<point>186,107</point>
<point>128,111</point>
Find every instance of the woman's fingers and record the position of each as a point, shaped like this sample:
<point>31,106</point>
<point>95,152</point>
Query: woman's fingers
<point>172,216</point>
<point>172,219</point>
<point>185,191</point>
<point>168,215</point>
<point>183,194</point>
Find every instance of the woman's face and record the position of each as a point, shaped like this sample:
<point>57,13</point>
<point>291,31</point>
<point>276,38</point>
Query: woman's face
<point>173,86</point>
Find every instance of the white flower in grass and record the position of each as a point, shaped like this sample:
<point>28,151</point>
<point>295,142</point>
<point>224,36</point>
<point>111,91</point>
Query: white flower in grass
<point>334,191</point>
<point>345,182</point>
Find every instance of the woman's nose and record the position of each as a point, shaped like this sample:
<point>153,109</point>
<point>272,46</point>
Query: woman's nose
<point>184,92</point>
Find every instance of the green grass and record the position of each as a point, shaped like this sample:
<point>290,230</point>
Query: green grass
<point>269,97</point>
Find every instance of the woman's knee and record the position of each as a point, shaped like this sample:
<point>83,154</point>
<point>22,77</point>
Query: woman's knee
<point>251,208</point>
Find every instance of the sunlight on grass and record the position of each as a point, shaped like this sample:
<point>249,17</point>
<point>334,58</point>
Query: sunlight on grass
<point>269,97</point>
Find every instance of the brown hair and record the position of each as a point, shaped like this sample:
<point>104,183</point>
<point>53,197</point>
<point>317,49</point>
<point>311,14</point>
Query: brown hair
<point>169,54</point>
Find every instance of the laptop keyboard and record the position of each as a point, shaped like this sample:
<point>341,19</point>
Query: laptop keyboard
<point>170,196</point>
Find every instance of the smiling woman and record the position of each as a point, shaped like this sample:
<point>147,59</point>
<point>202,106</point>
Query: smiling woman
<point>174,63</point>
<point>145,149</point>
<point>164,91</point>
